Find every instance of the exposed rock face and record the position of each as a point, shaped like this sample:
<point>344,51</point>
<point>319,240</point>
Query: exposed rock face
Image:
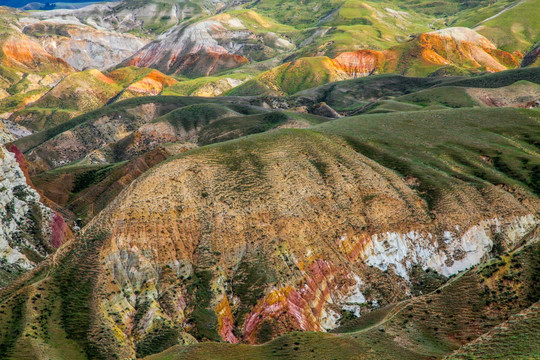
<point>209,46</point>
<point>83,46</point>
<point>361,63</point>
<point>29,231</point>
<point>124,16</point>
<point>23,53</point>
<point>456,46</point>
<point>28,70</point>
<point>465,47</point>
<point>5,136</point>
<point>151,84</point>
<point>269,262</point>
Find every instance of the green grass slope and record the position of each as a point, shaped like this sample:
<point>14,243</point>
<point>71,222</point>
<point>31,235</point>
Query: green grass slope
<point>77,93</point>
<point>516,338</point>
<point>514,28</point>
<point>352,95</point>
<point>431,146</point>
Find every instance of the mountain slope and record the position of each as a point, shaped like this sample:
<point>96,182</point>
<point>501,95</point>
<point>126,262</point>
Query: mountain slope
<point>149,18</point>
<point>514,28</point>
<point>425,327</point>
<point>439,200</point>
<point>83,46</point>
<point>89,90</point>
<point>218,43</point>
<point>29,230</point>
<point>455,50</point>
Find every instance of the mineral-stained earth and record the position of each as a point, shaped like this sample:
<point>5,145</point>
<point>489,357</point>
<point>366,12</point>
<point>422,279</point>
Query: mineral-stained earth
<point>237,179</point>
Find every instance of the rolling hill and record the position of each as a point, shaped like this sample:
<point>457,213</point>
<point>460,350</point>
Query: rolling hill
<point>431,182</point>
<point>270,179</point>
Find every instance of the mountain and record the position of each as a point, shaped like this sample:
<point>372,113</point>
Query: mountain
<point>215,44</point>
<point>83,46</point>
<point>241,179</point>
<point>147,18</point>
<point>452,50</point>
<point>392,214</point>
<point>88,90</point>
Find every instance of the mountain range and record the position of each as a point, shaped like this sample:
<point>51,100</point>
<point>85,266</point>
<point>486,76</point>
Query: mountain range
<point>236,179</point>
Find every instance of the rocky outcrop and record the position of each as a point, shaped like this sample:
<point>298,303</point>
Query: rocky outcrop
<point>151,84</point>
<point>29,231</point>
<point>361,63</point>
<point>209,46</point>
<point>83,46</point>
<point>23,53</point>
<point>463,47</point>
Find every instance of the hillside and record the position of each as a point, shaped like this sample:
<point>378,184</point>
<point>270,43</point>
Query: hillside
<point>270,179</point>
<point>375,185</point>
<point>456,51</point>
<point>88,90</point>
<point>127,129</point>
<point>206,47</point>
<point>429,325</point>
<point>83,46</point>
<point>249,48</point>
<point>514,28</point>
<point>29,230</point>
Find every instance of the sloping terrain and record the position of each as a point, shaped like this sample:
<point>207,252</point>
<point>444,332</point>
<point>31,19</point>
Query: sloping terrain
<point>87,189</point>
<point>83,46</point>
<point>27,71</point>
<point>239,41</point>
<point>89,90</point>
<point>354,96</point>
<point>219,43</point>
<point>127,129</point>
<point>514,28</point>
<point>356,179</point>
<point>425,327</point>
<point>403,192</point>
<point>148,18</point>
<point>130,128</point>
<point>455,50</point>
<point>29,230</point>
